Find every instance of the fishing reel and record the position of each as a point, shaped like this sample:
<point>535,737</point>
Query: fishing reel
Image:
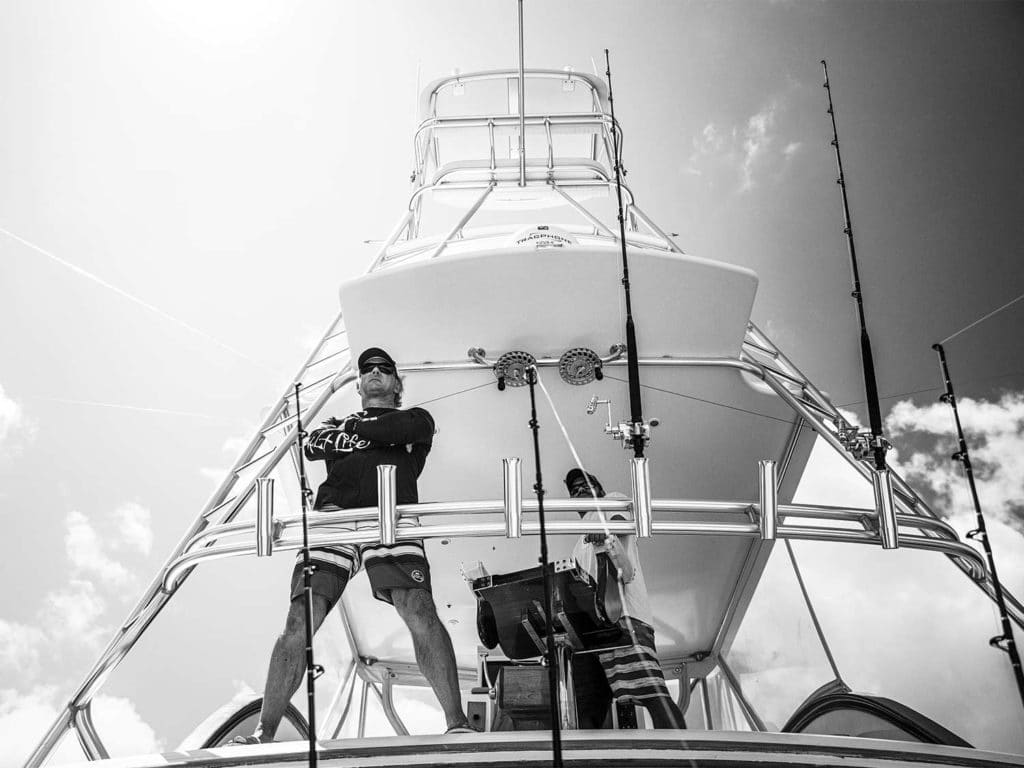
<point>511,369</point>
<point>860,442</point>
<point>625,431</point>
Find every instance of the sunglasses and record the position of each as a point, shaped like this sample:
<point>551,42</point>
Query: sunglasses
<point>386,368</point>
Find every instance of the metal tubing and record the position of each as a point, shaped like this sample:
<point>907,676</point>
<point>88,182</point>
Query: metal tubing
<point>387,517</point>
<point>58,728</point>
<point>512,476</point>
<point>462,222</point>
<point>362,709</point>
<point>387,702</point>
<point>881,483</point>
<point>522,105</point>
<point>655,229</point>
<point>640,476</point>
<point>264,516</point>
<point>705,700</point>
<point>768,487</point>
<point>89,739</point>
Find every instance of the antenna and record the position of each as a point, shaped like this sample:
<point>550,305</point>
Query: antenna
<point>1005,641</point>
<point>876,442</point>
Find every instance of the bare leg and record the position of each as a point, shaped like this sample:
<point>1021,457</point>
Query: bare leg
<point>287,664</point>
<point>433,646</point>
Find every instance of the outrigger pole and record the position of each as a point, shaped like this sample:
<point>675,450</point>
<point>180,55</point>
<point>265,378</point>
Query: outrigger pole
<point>313,671</point>
<point>1005,641</point>
<point>637,431</point>
<point>877,443</point>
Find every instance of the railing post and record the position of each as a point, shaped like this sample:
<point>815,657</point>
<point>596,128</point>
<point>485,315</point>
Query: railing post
<point>387,512</point>
<point>512,474</point>
<point>768,494</point>
<point>640,474</point>
<point>264,516</point>
<point>888,530</point>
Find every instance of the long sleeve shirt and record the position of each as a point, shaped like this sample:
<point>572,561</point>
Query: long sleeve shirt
<point>355,446</point>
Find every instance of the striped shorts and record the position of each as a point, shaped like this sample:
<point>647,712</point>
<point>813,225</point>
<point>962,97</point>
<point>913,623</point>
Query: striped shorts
<point>634,672</point>
<point>402,565</point>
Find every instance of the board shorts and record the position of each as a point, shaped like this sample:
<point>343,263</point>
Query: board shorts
<point>634,672</point>
<point>402,565</point>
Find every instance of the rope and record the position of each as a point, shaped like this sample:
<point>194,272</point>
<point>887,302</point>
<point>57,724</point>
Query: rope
<point>983,319</point>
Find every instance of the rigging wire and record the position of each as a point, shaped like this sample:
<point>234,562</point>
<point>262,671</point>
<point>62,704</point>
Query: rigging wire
<point>814,614</point>
<point>982,319</point>
<point>454,394</point>
<point>146,305</point>
<point>702,400</point>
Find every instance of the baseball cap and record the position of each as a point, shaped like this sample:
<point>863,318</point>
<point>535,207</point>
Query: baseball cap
<point>576,474</point>
<point>375,355</point>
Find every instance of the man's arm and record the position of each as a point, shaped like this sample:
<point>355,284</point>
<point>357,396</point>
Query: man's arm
<point>394,428</point>
<point>611,545</point>
<point>332,441</point>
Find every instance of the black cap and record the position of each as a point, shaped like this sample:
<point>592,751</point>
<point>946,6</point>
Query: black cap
<point>375,355</point>
<point>575,474</point>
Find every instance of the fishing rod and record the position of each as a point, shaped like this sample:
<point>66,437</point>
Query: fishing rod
<point>313,671</point>
<point>555,709</point>
<point>876,443</point>
<point>638,430</point>
<point>1005,641</point>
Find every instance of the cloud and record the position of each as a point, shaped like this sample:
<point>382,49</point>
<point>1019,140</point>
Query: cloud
<point>25,718</point>
<point>994,431</point>
<point>20,649</point>
<point>71,613</point>
<point>13,422</point>
<point>133,525</point>
<point>86,553</point>
<point>748,150</point>
<point>757,140</point>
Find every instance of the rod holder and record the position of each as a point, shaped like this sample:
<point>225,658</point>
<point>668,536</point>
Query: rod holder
<point>512,474</point>
<point>640,474</point>
<point>888,530</point>
<point>264,516</point>
<point>387,511</point>
<point>767,483</point>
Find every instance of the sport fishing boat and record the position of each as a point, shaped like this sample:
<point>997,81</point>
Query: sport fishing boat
<point>500,294</point>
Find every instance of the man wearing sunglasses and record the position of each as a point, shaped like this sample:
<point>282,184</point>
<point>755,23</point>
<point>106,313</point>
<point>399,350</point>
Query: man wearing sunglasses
<point>353,448</point>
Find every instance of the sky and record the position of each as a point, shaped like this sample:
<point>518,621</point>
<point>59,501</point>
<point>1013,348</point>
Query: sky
<point>184,185</point>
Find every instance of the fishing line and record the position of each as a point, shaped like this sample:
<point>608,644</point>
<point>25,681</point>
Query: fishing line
<point>935,389</point>
<point>983,319</point>
<point>814,615</point>
<point>593,494</point>
<point>124,294</point>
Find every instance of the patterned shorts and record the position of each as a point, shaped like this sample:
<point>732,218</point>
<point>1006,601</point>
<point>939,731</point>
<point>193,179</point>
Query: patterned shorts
<point>634,672</point>
<point>402,565</point>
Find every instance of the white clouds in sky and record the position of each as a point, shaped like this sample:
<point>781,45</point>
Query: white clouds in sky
<point>757,141</point>
<point>67,623</point>
<point>747,151</point>
<point>24,718</point>
<point>995,438</point>
<point>12,422</point>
